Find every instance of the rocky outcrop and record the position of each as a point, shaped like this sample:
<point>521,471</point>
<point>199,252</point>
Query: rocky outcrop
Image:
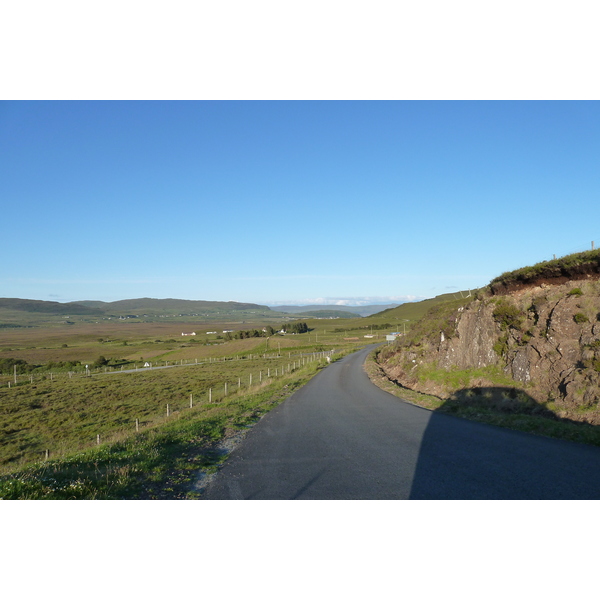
<point>472,346</point>
<point>546,338</point>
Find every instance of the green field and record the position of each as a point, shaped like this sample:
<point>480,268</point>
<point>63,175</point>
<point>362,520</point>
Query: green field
<point>67,414</point>
<point>160,461</point>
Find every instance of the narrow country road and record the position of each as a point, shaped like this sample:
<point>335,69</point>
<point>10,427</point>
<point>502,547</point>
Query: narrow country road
<point>341,437</point>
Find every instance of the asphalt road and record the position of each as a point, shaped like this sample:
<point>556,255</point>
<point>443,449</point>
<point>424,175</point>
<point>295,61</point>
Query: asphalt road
<point>341,437</point>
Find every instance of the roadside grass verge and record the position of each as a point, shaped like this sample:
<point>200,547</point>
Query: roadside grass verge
<point>160,462</point>
<point>379,378</point>
<point>502,406</point>
<point>456,378</point>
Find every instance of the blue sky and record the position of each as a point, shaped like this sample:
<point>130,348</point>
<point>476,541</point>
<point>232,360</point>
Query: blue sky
<point>290,201</point>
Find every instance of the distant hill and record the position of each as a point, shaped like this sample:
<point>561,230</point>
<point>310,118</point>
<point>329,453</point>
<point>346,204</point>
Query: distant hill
<point>15,311</point>
<point>45,307</point>
<point>92,303</point>
<point>96,307</point>
<point>363,311</point>
<point>169,305</point>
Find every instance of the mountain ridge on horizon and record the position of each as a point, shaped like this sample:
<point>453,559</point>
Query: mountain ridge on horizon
<point>141,306</point>
<point>154,306</point>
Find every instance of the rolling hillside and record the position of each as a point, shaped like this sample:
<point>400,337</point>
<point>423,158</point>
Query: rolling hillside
<point>22,312</point>
<point>171,305</point>
<point>48,308</point>
<point>413,311</point>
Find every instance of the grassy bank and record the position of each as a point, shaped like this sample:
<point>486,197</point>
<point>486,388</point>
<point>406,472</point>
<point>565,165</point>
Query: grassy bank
<point>569,266</point>
<point>502,406</point>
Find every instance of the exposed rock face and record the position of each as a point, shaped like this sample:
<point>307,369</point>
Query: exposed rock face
<point>546,338</point>
<point>473,345</point>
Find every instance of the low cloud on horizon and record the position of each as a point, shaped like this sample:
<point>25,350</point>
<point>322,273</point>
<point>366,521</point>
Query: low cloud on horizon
<point>352,301</point>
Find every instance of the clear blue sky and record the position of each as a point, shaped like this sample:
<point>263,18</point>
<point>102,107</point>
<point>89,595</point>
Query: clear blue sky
<point>290,202</point>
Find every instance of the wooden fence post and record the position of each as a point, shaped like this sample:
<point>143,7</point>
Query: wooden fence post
<point>191,400</point>
<point>168,410</point>
<point>137,424</point>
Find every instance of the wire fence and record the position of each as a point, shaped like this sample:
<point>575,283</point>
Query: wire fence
<point>572,251</point>
<point>142,366</point>
<point>217,392</point>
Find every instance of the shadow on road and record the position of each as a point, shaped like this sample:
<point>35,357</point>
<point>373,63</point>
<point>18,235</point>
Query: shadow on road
<point>460,459</point>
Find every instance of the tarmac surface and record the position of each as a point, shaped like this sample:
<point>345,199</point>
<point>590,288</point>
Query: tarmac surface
<point>341,438</point>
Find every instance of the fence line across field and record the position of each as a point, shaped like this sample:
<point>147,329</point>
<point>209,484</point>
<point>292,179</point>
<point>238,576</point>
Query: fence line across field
<point>151,366</point>
<point>170,412</point>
